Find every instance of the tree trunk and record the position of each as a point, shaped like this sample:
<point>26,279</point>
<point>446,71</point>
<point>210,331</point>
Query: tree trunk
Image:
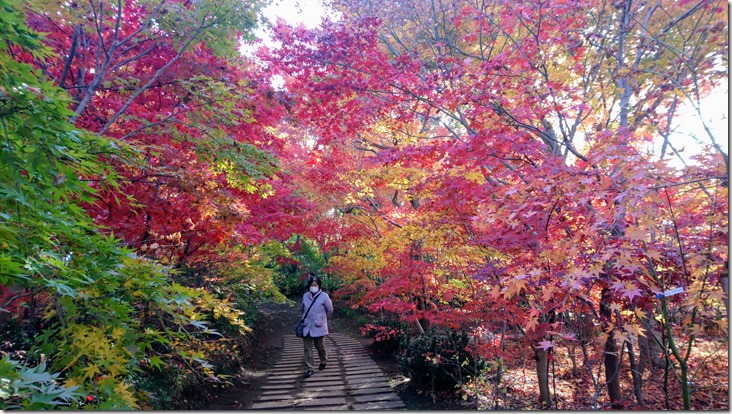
<point>571,349</point>
<point>643,356</point>
<point>636,371</point>
<point>424,324</point>
<point>611,357</point>
<point>542,373</point>
<point>611,372</point>
<point>419,327</point>
<point>724,280</point>
<point>651,347</point>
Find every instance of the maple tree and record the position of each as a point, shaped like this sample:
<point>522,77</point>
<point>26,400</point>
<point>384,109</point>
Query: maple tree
<point>493,157</point>
<point>166,81</point>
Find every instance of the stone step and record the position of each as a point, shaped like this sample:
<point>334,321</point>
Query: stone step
<point>351,380</point>
<point>379,405</point>
<point>278,387</point>
<point>320,388</point>
<point>327,408</point>
<point>367,391</point>
<point>320,393</point>
<point>321,401</point>
<point>376,397</point>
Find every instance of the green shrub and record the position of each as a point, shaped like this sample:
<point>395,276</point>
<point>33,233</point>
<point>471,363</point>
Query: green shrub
<point>23,387</point>
<point>439,361</point>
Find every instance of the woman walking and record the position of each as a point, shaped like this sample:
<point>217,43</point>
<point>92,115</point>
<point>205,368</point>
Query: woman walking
<point>316,309</point>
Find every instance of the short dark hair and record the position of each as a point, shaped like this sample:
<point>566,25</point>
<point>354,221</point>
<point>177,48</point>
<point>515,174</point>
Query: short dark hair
<point>312,278</point>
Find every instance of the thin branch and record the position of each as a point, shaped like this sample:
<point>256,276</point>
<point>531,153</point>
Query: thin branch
<point>157,74</point>
<point>133,58</point>
<point>16,297</point>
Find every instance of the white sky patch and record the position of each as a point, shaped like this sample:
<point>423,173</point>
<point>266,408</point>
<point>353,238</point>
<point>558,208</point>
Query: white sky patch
<point>689,135</point>
<point>306,12</point>
<point>715,112</point>
<point>309,13</point>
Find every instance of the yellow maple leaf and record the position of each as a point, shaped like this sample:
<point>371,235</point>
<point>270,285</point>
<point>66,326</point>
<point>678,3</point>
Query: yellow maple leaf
<point>90,371</point>
<point>117,333</point>
<point>621,337</point>
<point>615,307</point>
<point>634,330</point>
<point>696,330</point>
<point>635,233</point>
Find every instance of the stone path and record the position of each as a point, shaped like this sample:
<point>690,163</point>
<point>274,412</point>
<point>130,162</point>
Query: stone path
<point>350,381</point>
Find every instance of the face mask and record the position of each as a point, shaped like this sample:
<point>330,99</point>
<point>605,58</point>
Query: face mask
<point>314,289</point>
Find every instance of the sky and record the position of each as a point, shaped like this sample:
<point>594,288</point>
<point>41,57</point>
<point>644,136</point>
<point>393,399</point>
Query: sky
<point>690,135</point>
<point>307,12</point>
<point>715,110</point>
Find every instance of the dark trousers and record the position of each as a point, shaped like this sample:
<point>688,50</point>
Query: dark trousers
<point>319,345</point>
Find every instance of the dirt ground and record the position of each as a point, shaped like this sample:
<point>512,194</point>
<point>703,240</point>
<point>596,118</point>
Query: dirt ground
<point>277,320</point>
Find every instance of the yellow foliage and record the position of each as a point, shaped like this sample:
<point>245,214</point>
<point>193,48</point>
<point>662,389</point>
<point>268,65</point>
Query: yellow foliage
<point>225,310</point>
<point>368,255</point>
<point>470,174</point>
<point>124,392</point>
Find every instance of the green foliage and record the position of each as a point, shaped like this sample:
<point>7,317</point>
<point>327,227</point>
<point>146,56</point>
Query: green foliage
<point>244,275</point>
<point>128,326</point>
<point>112,321</point>
<point>164,387</point>
<point>302,256</point>
<point>226,22</point>
<point>14,29</point>
<point>43,164</point>
<point>439,361</point>
<point>23,387</point>
<point>245,166</point>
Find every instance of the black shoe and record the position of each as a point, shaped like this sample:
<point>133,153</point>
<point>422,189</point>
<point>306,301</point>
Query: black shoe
<point>308,373</point>
<point>321,366</point>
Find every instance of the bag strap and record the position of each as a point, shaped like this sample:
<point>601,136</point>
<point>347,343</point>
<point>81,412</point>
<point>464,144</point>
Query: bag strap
<point>311,305</point>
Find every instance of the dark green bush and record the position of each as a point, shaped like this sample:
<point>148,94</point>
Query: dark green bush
<point>439,361</point>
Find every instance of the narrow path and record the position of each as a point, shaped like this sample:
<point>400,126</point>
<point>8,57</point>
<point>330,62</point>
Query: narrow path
<point>350,381</point>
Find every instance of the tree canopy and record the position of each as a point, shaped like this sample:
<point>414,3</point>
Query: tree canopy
<point>505,168</point>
